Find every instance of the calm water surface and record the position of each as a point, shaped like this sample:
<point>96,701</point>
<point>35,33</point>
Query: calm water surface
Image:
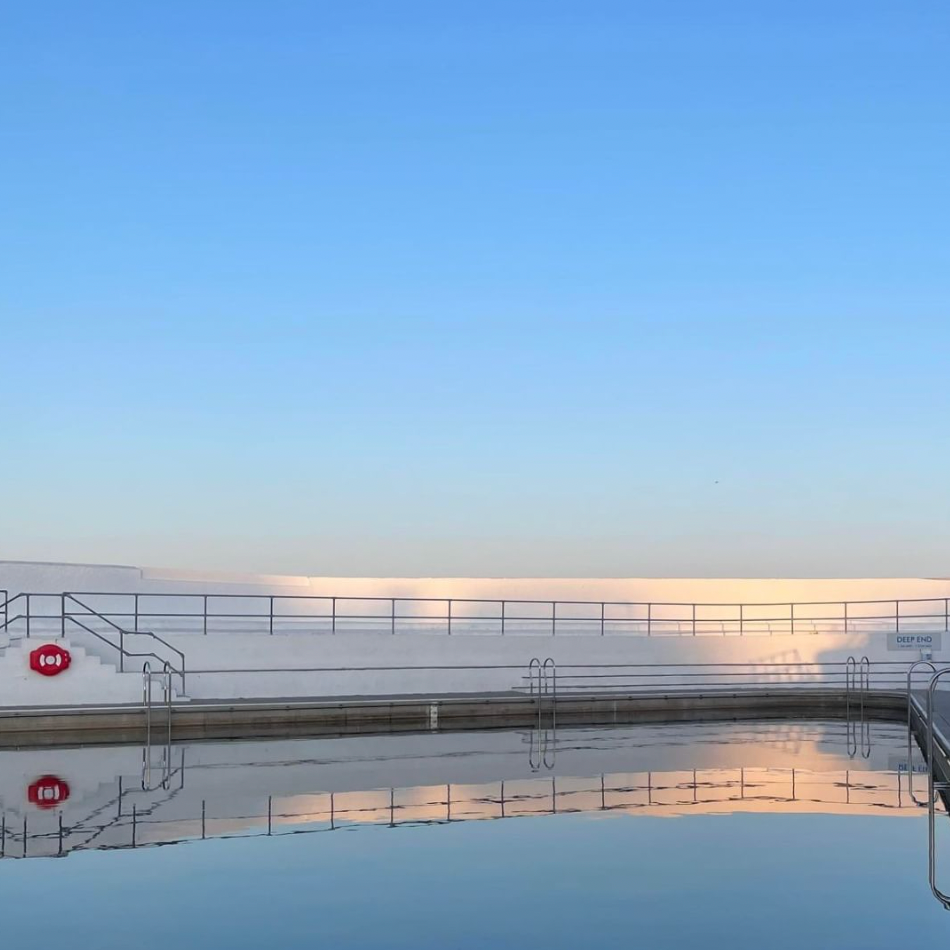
<point>719,835</point>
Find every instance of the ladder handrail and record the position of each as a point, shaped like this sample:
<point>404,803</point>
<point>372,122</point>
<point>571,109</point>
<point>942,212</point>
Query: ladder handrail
<point>910,751</point>
<point>932,787</point>
<point>166,674</point>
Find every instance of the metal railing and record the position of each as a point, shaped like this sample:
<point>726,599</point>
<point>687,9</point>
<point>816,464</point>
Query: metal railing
<point>320,811</point>
<point>932,787</point>
<point>911,670</point>
<point>71,617</point>
<point>147,675</point>
<point>206,613</point>
<point>442,682</point>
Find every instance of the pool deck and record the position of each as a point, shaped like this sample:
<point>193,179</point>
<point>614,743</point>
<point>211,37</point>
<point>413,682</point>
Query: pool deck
<point>348,715</point>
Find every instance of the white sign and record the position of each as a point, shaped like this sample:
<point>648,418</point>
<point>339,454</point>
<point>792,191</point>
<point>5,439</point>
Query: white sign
<point>913,641</point>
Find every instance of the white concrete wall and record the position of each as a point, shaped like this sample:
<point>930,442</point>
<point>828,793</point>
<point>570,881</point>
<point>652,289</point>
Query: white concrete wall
<point>219,665</point>
<point>232,666</point>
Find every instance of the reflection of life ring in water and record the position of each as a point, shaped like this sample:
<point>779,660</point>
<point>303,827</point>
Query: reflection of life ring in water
<point>48,792</point>
<point>50,659</point>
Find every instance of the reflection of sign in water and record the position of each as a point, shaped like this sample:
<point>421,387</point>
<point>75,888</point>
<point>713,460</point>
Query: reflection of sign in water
<point>48,792</point>
<point>913,641</point>
<point>898,763</point>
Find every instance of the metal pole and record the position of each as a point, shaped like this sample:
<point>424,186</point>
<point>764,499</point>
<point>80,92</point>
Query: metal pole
<point>450,617</point>
<point>649,620</point>
<point>333,621</point>
<point>602,611</point>
<point>741,621</point>
<point>205,614</point>
<point>393,617</point>
<point>62,616</point>
<point>792,613</point>
<point>897,614</point>
<point>27,616</point>
<point>136,625</point>
<point>271,616</point>
<point>553,618</point>
<point>694,620</point>
<point>845,616</point>
<point>502,618</point>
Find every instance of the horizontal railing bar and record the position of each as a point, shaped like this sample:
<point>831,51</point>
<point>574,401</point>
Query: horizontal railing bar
<point>500,600</point>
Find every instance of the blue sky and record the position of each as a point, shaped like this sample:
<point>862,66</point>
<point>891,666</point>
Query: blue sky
<point>529,288</point>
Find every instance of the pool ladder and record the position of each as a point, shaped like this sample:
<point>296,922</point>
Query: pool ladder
<point>933,787</point>
<point>166,675</point>
<point>542,677</point>
<point>857,682</point>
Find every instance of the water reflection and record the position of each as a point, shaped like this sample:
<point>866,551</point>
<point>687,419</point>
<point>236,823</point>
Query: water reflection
<point>55,802</point>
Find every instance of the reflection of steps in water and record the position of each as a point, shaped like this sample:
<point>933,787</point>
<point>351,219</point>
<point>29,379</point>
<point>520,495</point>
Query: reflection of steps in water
<point>250,788</point>
<point>178,815</point>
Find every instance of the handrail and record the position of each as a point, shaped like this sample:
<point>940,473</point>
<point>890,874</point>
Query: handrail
<point>122,634</point>
<point>147,704</point>
<point>504,615</point>
<point>858,679</point>
<point>546,673</point>
<point>124,653</point>
<point>932,786</point>
<point>910,748</point>
<point>659,618</point>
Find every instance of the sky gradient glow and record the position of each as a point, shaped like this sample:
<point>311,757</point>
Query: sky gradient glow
<point>574,289</point>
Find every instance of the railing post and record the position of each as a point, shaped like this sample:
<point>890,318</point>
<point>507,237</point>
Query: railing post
<point>333,617</point>
<point>136,625</point>
<point>694,620</point>
<point>27,615</point>
<point>741,620</point>
<point>450,617</point>
<point>553,618</point>
<point>946,614</point>
<point>897,615</point>
<point>845,616</point>
<point>791,610</point>
<point>649,620</point>
<point>602,612</point>
<point>393,617</point>
<point>62,616</point>
<point>502,618</point>
<point>204,614</point>
<point>271,616</point>
<point>121,649</point>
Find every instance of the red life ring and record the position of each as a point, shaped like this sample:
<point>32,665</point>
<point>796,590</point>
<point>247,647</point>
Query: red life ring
<point>48,792</point>
<point>50,659</point>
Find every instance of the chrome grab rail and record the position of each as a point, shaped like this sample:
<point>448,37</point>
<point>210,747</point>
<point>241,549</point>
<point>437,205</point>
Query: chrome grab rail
<point>910,749</point>
<point>932,786</point>
<point>857,679</point>
<point>546,673</point>
<point>147,704</point>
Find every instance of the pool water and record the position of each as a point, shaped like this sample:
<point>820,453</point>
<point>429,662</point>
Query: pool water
<point>778,834</point>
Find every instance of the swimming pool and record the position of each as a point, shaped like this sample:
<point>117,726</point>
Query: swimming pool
<point>738,834</point>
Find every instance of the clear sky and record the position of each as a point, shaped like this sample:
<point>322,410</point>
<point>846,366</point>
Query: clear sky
<point>524,288</point>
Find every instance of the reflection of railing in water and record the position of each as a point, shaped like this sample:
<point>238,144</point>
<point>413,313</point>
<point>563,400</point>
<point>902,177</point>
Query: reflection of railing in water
<point>528,797</point>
